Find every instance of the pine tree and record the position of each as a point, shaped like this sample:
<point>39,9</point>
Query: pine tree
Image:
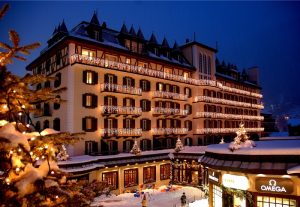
<point>241,140</point>
<point>29,174</point>
<point>135,149</point>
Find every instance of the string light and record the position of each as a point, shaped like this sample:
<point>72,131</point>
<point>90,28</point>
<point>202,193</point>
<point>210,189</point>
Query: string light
<point>37,158</point>
<point>4,106</point>
<point>52,172</point>
<point>27,125</point>
<point>7,180</point>
<point>20,113</point>
<point>23,106</point>
<point>14,91</point>
<point>31,153</point>
<point>32,138</point>
<point>43,157</point>
<point>46,146</point>
<point>56,197</point>
<point>17,169</point>
<point>11,152</point>
<point>19,150</point>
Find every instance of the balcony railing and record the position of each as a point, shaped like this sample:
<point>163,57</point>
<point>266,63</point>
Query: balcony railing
<point>170,95</point>
<point>163,131</point>
<point>169,111</point>
<point>227,102</point>
<point>121,89</point>
<point>77,58</point>
<point>226,130</point>
<point>121,132</point>
<point>227,116</point>
<point>122,110</point>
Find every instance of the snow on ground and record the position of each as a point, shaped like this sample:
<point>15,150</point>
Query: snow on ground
<point>156,198</point>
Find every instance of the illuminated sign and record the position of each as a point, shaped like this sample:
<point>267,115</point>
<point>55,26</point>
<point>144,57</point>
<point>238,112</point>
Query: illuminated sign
<point>274,185</point>
<point>214,176</point>
<point>235,181</point>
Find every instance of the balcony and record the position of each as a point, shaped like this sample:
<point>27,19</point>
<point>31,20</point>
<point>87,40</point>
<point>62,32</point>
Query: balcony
<point>226,130</point>
<point>227,116</point>
<point>227,102</point>
<point>169,111</point>
<point>169,95</point>
<point>77,58</point>
<point>121,132</point>
<point>121,110</point>
<point>108,87</point>
<point>169,131</point>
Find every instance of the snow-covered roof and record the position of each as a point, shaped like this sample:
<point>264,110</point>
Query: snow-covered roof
<point>275,147</point>
<point>294,170</point>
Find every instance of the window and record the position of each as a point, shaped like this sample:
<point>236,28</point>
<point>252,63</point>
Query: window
<point>89,53</point>
<point>97,35</point>
<point>46,109</point>
<point>165,171</point>
<point>145,105</point>
<point>46,124</point>
<point>127,145</point>
<point>56,124</point>
<point>188,124</point>
<point>160,87</point>
<point>110,123</point>
<point>111,178</point>
<point>176,89</point>
<point>149,174</point>
<point>188,92</point>
<point>38,126</point>
<point>90,77</point>
<point>145,144</point>
<point>56,104</point>
<point>38,86</point>
<point>272,201</point>
<point>47,84</point>
<point>161,123</point>
<point>89,124</point>
<point>145,85</point>
<point>129,82</point>
<point>217,196</point>
<point>110,101</point>
<point>57,81</point>
<point>128,123</point>
<point>145,124</point>
<point>188,108</point>
<point>130,177</point>
<point>186,75</point>
<point>188,141</point>
<point>89,100</point>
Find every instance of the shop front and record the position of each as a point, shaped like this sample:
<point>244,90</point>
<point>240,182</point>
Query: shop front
<point>252,177</point>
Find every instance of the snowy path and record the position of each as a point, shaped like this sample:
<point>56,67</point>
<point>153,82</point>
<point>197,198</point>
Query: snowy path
<point>156,198</point>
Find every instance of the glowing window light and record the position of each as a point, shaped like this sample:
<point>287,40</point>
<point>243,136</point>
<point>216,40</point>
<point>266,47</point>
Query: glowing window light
<point>235,181</point>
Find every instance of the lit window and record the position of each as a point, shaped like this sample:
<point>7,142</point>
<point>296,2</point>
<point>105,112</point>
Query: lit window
<point>127,60</point>
<point>88,100</point>
<point>185,75</point>
<point>88,53</point>
<point>160,87</point>
<point>89,77</point>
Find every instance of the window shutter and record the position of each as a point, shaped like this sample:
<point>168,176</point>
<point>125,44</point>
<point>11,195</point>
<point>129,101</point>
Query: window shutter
<point>84,100</point>
<point>157,86</point>
<point>94,101</point>
<point>190,92</point>
<point>172,104</point>
<point>106,78</point>
<point>124,81</point>
<point>115,123</point>
<point>115,146</point>
<point>172,122</point>
<point>178,89</point>
<point>156,104</point>
<point>83,123</point>
<point>84,76</point>
<point>124,123</point>
<point>132,82</point>
<point>148,86</point>
<point>95,78</point>
<point>178,123</point>
<point>148,144</point>
<point>164,87</point>
<point>105,100</point>
<point>163,104</point>
<point>141,84</point>
<point>94,124</point>
<point>115,101</point>
<point>95,146</point>
<point>115,79</point>
<point>191,125</point>
<point>141,124</point>
<point>124,101</point>
<point>148,124</point>
<point>132,123</point>
<point>164,123</point>
<point>191,109</point>
<point>157,123</point>
<point>124,146</point>
<point>148,105</point>
<point>105,123</point>
<point>132,102</point>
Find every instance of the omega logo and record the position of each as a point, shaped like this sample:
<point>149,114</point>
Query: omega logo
<point>274,185</point>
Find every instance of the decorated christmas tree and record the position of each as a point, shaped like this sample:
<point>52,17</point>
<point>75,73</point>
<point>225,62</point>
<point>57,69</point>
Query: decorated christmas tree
<point>241,140</point>
<point>29,174</point>
<point>135,149</point>
<point>178,146</point>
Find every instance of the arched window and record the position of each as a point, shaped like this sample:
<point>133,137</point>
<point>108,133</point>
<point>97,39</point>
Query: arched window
<point>56,124</point>
<point>56,104</point>
<point>57,81</point>
<point>46,124</point>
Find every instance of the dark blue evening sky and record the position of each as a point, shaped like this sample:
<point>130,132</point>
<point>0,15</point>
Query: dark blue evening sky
<point>264,34</point>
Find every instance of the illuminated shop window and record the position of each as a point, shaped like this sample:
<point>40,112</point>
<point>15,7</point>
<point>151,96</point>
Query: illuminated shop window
<point>263,201</point>
<point>217,196</point>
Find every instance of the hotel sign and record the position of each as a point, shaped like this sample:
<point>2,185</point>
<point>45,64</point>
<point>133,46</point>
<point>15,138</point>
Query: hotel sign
<point>214,176</point>
<point>274,185</point>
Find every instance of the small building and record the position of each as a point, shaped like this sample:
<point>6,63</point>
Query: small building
<point>266,175</point>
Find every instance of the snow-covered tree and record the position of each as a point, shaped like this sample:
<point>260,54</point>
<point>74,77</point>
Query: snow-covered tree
<point>241,140</point>
<point>135,149</point>
<point>178,146</point>
<point>29,174</point>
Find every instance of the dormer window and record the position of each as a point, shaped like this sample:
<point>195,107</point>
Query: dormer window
<point>97,35</point>
<point>156,51</point>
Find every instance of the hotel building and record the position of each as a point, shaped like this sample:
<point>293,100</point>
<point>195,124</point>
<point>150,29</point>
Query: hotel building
<point>122,87</point>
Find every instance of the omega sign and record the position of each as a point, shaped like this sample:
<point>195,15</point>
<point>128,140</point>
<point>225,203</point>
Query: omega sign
<point>274,185</point>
